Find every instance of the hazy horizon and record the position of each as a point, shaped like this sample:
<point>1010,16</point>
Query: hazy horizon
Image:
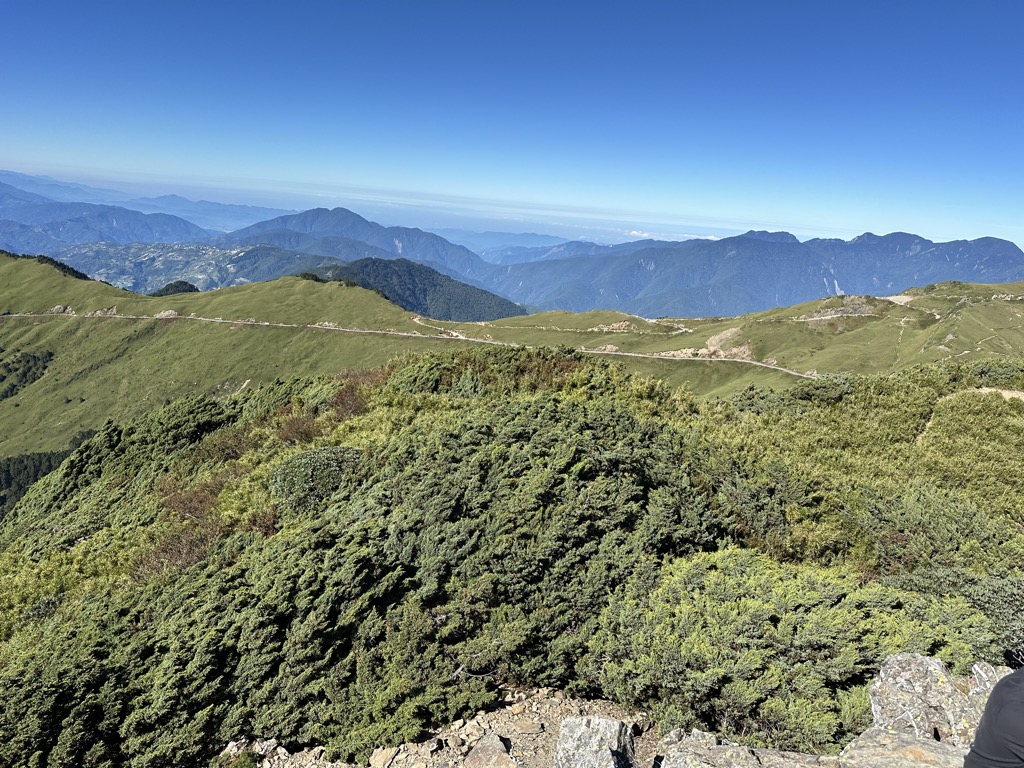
<point>603,122</point>
<point>408,208</point>
<point>413,209</point>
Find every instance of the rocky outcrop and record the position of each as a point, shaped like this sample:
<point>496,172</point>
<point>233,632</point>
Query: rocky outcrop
<point>594,742</point>
<point>699,749</point>
<point>270,754</point>
<point>917,695</point>
<point>490,752</point>
<point>886,748</point>
<point>106,312</point>
<point>923,718</point>
<point>875,748</point>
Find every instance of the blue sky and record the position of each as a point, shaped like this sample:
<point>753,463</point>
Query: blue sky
<point>822,118</point>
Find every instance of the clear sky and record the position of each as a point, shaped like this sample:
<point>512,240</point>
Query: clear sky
<point>821,118</point>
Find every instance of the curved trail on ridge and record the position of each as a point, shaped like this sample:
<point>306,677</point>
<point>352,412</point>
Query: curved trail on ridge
<point>443,334</point>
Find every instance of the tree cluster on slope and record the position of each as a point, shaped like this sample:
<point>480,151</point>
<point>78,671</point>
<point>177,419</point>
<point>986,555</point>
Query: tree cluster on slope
<point>60,266</point>
<point>174,287</point>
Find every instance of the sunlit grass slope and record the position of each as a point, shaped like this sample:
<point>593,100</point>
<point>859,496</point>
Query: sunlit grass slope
<point>839,334</point>
<point>146,351</point>
<point>120,366</point>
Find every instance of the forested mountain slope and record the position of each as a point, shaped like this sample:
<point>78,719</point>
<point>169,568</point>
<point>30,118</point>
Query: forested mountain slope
<point>752,272</point>
<point>423,290</point>
<point>346,561</point>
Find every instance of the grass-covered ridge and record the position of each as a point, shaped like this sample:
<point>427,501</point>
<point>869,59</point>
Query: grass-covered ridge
<point>121,354</point>
<point>102,366</point>
<point>350,560</point>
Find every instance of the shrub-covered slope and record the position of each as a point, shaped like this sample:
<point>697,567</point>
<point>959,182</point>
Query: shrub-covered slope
<point>349,561</point>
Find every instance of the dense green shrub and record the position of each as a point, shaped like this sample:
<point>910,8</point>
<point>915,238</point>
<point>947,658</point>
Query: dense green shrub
<point>304,480</point>
<point>174,287</point>
<point>19,369</point>
<point>736,643</point>
<point>350,561</point>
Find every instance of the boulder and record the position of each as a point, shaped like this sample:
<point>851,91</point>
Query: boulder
<point>699,749</point>
<point>916,694</point>
<point>490,752</point>
<point>594,742</point>
<point>383,757</point>
<point>886,748</point>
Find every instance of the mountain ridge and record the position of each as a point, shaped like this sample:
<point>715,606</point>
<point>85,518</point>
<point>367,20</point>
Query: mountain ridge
<point>79,223</point>
<point>321,224</point>
<point>743,274</point>
<point>749,272</point>
<point>210,215</point>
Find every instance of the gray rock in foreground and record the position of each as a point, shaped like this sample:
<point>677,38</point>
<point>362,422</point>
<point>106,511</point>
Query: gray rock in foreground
<point>490,752</point>
<point>699,749</point>
<point>884,748</point>
<point>917,695</point>
<point>594,742</point>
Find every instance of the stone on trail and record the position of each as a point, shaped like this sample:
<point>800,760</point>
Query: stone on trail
<point>700,749</point>
<point>490,752</point>
<point>383,757</point>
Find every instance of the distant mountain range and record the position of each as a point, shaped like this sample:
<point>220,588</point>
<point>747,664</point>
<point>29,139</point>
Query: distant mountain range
<point>486,243</point>
<point>146,249</point>
<point>747,273</point>
<point>43,220</point>
<point>340,233</point>
<point>61,191</point>
<point>219,217</point>
<point>76,223</point>
<point>565,250</point>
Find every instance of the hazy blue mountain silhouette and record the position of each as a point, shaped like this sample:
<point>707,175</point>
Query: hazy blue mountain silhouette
<point>749,273</point>
<point>319,227</point>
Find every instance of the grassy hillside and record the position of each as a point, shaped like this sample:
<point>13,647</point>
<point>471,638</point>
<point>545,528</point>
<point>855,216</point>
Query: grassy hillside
<point>103,365</point>
<point>348,561</point>
<point>119,366</point>
<point>858,334</point>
